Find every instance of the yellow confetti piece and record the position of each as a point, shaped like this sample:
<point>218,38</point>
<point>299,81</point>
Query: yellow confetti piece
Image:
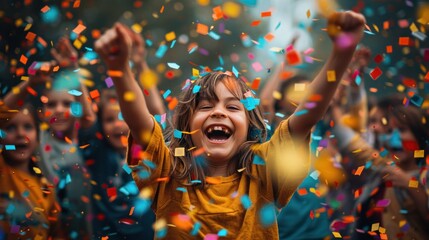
<point>27,27</point>
<point>402,223</point>
<point>299,87</point>
<point>179,152</point>
<point>382,230</point>
<point>159,224</point>
<point>137,28</point>
<point>337,234</point>
<point>375,227</point>
<point>37,170</point>
<point>376,28</point>
<point>148,79</point>
<point>400,88</point>
<point>195,72</point>
<point>37,209</point>
<point>327,7</point>
<point>277,95</point>
<point>44,126</point>
<point>419,153</point>
<point>170,36</point>
<point>231,9</point>
<point>129,96</point>
<point>184,132</point>
<point>331,75</point>
<point>15,90</point>
<point>308,13</point>
<point>413,183</point>
<point>414,28</point>
<point>24,78</point>
<point>77,44</point>
<point>203,2</point>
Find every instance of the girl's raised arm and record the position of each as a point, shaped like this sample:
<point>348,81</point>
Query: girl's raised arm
<point>345,30</point>
<point>114,47</point>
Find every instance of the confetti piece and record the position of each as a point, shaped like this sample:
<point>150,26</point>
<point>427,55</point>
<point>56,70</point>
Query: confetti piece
<point>330,74</point>
<point>419,153</point>
<point>231,9</point>
<point>267,215</point>
<point>161,51</point>
<point>359,170</point>
<point>177,133</point>
<point>211,236</point>
<point>129,96</point>
<point>202,29</point>
<point>257,66</point>
<point>257,160</point>
<point>250,3</point>
<point>337,234</point>
<point>76,109</point>
<point>293,57</point>
<point>45,9</point>
<point>109,82</point>
<point>173,65</point>
<point>114,73</point>
<point>94,94</point>
<point>245,201</point>
<point>413,183</point>
<point>404,41</point>
<point>170,36</point>
<point>79,29</point>
<point>375,73</point>
<point>383,203</point>
<point>179,152</point>
<point>10,147</point>
<point>375,227</point>
<point>255,23</point>
<point>308,13</point>
<point>75,92</point>
<point>266,14</point>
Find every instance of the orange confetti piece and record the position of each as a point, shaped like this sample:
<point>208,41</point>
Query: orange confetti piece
<point>30,36</point>
<point>20,71</point>
<point>269,37</point>
<point>359,170</point>
<point>84,199</point>
<point>404,41</point>
<point>202,29</point>
<point>162,9</point>
<point>68,140</point>
<point>255,23</point>
<point>255,83</point>
<point>217,13</point>
<point>114,73</point>
<point>198,152</point>
<point>389,49</point>
<point>173,103</point>
<point>302,191</point>
<point>266,14</point>
<point>164,179</point>
<point>94,94</point>
<point>79,29</point>
<point>84,146</point>
<point>42,41</point>
<point>31,91</point>
<point>45,9</point>
<point>386,25</point>
<point>315,98</point>
<point>23,59</point>
<point>76,4</point>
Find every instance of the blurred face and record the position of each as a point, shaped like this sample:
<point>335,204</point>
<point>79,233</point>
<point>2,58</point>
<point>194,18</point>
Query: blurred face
<point>22,133</point>
<point>222,125</point>
<point>57,111</point>
<point>377,121</point>
<point>115,129</point>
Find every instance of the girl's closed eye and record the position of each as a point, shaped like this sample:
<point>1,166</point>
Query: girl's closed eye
<point>234,107</point>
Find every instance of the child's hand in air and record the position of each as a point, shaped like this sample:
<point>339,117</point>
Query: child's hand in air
<point>345,30</point>
<point>65,54</point>
<point>114,47</point>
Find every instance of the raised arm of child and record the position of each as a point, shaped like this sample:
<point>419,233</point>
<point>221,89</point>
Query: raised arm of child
<point>154,101</point>
<point>345,30</point>
<point>114,47</point>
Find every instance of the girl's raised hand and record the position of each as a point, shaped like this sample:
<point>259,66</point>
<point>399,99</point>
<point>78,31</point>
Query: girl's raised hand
<point>114,47</point>
<point>345,30</point>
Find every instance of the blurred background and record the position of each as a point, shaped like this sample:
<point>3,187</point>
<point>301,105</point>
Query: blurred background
<point>247,37</point>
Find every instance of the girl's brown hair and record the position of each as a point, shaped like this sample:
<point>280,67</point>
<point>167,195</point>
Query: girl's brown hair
<point>190,167</point>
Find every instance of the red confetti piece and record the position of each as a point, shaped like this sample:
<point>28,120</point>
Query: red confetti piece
<point>375,73</point>
<point>378,59</point>
<point>409,82</point>
<point>266,14</point>
<point>45,9</point>
<point>404,41</point>
<point>255,23</point>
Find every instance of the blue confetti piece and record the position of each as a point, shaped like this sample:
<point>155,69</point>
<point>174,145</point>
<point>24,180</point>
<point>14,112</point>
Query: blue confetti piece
<point>196,89</point>
<point>68,178</point>
<point>61,184</point>
<point>222,233</point>
<point>280,115</point>
<point>161,51</point>
<point>384,153</point>
<point>10,208</point>
<point>417,100</point>
<point>157,118</point>
<point>195,229</point>
<point>149,43</point>
<point>161,233</point>
<point>368,32</point>
<point>166,93</point>
<point>173,65</point>
<point>143,174</point>
<point>149,164</point>
<point>368,164</point>
<point>10,147</point>
<point>214,35</point>
<point>2,134</point>
<point>235,71</point>
<point>130,188</point>
<point>196,181</point>
<point>90,55</point>
<point>250,103</point>
<point>193,49</point>
<point>74,235</point>
<point>301,112</point>
<point>120,117</point>
<point>76,109</point>
<point>181,189</point>
<point>267,215</point>
<point>315,175</point>
<point>278,25</point>
<point>25,194</point>
<point>126,168</point>
<point>261,42</point>
<point>221,62</point>
<point>257,160</point>
<point>173,43</point>
<point>177,133</point>
<point>250,3</point>
<point>245,201</point>
<point>141,206</point>
<point>75,92</point>
<point>358,80</point>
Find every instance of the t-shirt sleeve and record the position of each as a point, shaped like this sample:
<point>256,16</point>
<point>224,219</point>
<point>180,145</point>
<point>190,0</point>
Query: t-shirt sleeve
<point>151,166</point>
<point>287,163</point>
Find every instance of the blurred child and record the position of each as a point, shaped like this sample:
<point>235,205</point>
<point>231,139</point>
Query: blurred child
<point>65,110</point>
<point>216,188</point>
<point>28,209</point>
